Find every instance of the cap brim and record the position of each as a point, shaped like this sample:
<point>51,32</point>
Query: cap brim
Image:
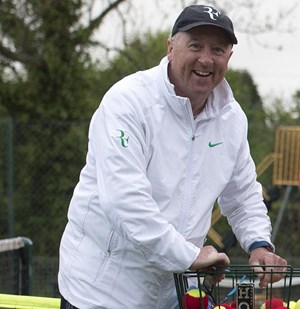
<point>190,26</point>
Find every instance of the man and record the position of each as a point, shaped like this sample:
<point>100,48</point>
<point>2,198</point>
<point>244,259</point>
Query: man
<point>163,146</point>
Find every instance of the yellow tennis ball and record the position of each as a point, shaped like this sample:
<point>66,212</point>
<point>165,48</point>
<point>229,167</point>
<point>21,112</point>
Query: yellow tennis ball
<point>292,304</point>
<point>194,292</point>
<point>222,306</point>
<point>297,305</point>
<point>191,299</point>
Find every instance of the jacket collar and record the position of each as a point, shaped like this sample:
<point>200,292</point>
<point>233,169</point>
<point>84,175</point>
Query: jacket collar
<point>218,101</point>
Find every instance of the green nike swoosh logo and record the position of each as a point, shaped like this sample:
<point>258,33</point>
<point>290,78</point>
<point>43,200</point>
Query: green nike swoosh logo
<point>210,144</point>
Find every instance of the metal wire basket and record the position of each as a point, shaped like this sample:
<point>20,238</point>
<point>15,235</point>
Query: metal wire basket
<point>240,288</point>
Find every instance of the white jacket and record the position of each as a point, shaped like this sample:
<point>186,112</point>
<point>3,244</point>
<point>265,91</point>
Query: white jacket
<point>142,207</point>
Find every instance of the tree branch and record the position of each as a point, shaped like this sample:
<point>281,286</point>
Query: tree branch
<point>97,21</point>
<point>23,58</point>
<point>94,23</point>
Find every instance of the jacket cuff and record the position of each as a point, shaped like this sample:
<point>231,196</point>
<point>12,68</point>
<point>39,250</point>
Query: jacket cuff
<point>264,244</point>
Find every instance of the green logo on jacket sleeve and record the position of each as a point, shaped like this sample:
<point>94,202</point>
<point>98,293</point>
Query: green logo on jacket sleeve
<point>123,138</point>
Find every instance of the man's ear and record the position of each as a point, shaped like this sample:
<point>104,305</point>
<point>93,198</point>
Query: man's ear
<point>229,58</point>
<point>170,48</point>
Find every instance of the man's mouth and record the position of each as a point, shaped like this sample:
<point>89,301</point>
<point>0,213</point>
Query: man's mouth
<point>202,73</point>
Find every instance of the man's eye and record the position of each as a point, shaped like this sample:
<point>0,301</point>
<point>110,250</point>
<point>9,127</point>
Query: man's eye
<point>219,50</point>
<point>195,46</point>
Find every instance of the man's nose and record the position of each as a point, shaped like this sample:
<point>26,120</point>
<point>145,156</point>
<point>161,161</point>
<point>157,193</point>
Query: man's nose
<point>205,56</point>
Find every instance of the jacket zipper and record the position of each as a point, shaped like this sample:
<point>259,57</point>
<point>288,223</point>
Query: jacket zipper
<point>188,192</point>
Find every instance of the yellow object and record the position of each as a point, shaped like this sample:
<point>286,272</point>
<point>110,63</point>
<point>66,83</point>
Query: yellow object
<point>287,156</point>
<point>195,293</point>
<point>297,306</point>
<point>263,306</point>
<point>8,301</point>
<point>292,304</point>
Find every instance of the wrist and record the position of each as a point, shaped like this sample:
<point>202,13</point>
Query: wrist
<point>261,244</point>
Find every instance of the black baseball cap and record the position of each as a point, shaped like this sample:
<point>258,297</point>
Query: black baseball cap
<point>203,15</point>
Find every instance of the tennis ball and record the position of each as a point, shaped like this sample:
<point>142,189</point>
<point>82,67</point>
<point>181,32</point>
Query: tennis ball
<point>292,304</point>
<point>223,306</point>
<point>297,306</point>
<point>273,303</point>
<point>191,299</point>
<point>282,307</point>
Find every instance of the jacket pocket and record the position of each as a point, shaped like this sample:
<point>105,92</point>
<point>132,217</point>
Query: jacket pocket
<point>110,246</point>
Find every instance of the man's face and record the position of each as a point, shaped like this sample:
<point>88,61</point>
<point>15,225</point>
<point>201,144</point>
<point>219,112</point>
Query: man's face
<point>198,61</point>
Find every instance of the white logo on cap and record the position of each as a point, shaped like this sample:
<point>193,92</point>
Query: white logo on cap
<point>213,13</point>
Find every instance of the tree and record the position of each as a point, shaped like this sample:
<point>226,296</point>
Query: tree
<point>47,82</point>
<point>45,58</point>
<point>296,107</point>
<point>281,113</point>
<point>245,91</point>
<point>141,53</point>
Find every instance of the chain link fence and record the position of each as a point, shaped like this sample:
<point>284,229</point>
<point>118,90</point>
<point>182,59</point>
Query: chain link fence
<point>40,164</point>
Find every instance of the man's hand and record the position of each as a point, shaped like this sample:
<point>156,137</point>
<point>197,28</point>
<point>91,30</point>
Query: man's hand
<point>262,256</point>
<point>208,258</point>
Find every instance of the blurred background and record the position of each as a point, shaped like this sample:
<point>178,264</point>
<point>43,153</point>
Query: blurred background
<point>58,58</point>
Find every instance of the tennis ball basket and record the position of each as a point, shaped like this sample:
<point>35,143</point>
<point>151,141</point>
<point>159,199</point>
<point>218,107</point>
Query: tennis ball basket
<point>239,289</point>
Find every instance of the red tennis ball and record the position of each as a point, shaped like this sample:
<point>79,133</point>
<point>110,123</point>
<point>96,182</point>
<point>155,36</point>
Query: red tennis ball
<point>274,303</point>
<point>191,299</point>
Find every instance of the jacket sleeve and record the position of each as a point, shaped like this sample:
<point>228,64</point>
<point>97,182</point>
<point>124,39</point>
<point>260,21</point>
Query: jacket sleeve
<point>242,202</point>
<point>120,148</point>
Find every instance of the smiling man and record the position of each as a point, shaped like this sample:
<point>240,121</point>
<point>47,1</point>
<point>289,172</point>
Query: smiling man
<point>164,145</point>
<point>198,61</point>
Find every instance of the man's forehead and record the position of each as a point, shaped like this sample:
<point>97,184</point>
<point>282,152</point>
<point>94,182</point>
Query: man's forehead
<point>207,31</point>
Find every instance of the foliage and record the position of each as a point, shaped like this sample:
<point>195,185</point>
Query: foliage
<point>281,114</point>
<point>47,82</point>
<point>44,55</point>
<point>245,92</point>
<point>139,54</point>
